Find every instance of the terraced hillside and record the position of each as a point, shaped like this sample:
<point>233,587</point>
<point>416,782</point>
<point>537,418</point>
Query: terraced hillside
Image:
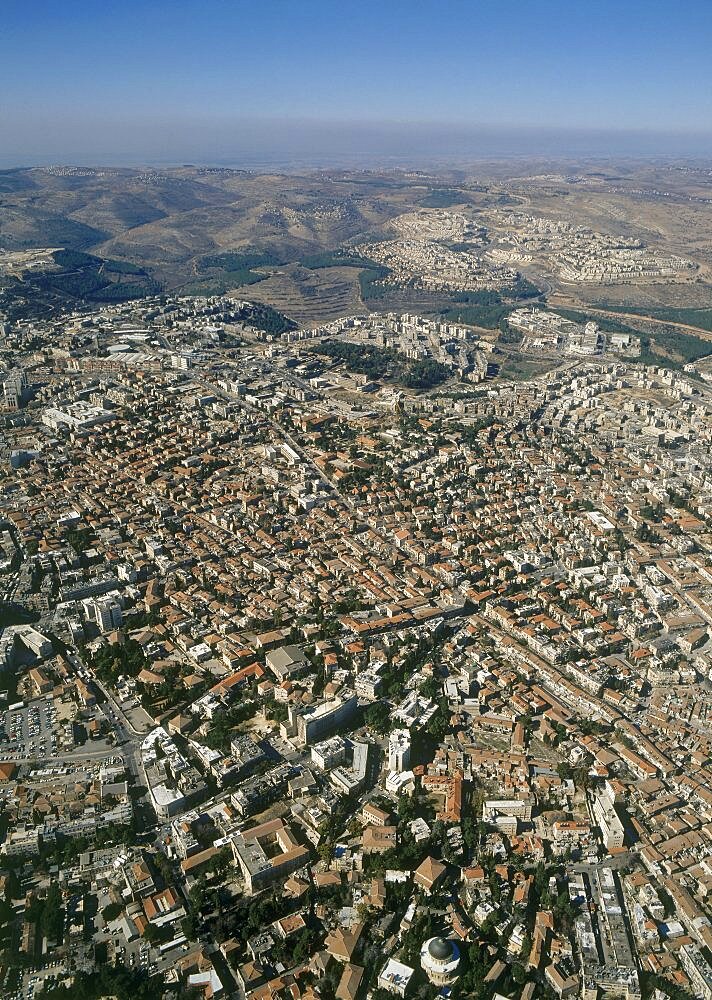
<point>309,296</point>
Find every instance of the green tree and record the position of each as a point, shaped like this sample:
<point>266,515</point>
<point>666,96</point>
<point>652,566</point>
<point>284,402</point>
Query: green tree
<point>378,717</point>
<point>52,919</point>
<point>519,973</point>
<point>111,911</point>
<point>151,934</point>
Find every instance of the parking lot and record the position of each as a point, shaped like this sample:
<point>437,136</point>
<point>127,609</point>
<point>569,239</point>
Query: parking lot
<point>134,954</point>
<point>29,731</point>
<point>41,979</point>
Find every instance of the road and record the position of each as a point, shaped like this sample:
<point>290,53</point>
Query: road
<point>129,738</point>
<point>70,757</point>
<point>615,863</point>
<point>565,302</point>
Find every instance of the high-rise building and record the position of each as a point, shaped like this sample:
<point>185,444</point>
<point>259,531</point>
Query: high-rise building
<point>105,612</point>
<point>315,723</point>
<point>15,390</point>
<point>399,750</point>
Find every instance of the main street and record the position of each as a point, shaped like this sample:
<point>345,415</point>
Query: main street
<point>129,738</point>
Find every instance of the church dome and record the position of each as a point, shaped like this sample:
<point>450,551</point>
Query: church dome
<point>439,960</point>
<point>440,949</point>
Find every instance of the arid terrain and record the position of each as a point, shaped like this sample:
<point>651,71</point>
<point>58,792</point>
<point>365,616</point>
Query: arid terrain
<point>173,223</point>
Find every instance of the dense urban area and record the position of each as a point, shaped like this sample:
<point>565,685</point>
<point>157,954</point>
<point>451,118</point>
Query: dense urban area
<point>362,657</point>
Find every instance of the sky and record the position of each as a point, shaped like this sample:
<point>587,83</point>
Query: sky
<point>243,80</point>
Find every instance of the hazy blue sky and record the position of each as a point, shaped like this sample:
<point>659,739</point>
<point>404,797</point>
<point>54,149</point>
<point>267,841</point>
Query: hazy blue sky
<point>153,79</point>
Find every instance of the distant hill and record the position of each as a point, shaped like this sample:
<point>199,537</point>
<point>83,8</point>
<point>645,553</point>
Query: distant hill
<point>203,231</point>
<point>74,279</point>
<point>178,215</point>
<point>273,238</point>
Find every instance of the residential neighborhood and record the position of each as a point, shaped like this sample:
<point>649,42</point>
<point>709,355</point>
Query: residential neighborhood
<point>312,691</point>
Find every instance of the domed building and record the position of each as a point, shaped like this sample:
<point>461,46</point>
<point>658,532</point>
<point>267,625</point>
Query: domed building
<point>439,960</point>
